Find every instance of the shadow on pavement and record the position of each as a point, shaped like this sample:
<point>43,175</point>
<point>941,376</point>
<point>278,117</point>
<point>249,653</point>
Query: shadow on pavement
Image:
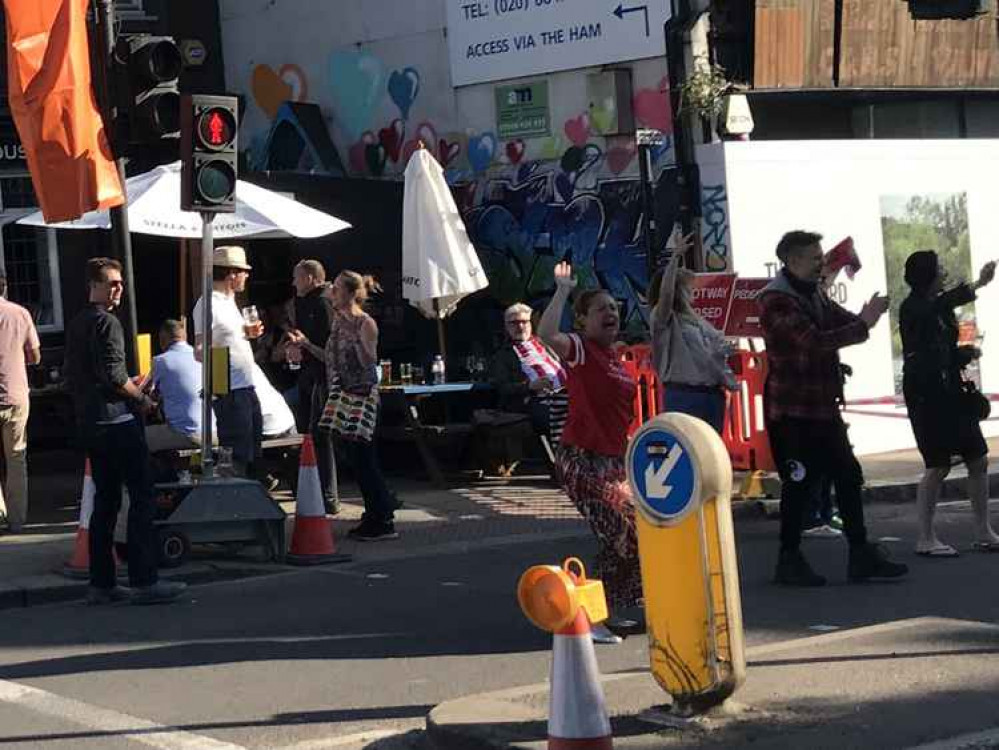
<point>278,720</point>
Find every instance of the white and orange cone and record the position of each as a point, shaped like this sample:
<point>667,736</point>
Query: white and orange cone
<point>577,713</point>
<point>312,541</point>
<point>78,565</point>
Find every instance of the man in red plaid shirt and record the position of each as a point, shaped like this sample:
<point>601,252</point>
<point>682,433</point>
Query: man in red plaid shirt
<point>804,331</point>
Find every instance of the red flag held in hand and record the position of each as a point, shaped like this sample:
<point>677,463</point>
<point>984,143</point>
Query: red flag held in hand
<point>843,256</point>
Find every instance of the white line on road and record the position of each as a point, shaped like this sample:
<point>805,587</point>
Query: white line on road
<point>344,740</point>
<point>104,721</point>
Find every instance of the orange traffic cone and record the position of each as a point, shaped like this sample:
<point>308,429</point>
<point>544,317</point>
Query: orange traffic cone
<point>312,541</point>
<point>577,715</point>
<point>78,565</point>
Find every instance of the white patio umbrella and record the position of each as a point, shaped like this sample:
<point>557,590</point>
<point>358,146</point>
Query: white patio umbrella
<point>439,262</point>
<point>154,208</point>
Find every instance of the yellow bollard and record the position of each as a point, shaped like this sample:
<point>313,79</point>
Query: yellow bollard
<point>681,477</point>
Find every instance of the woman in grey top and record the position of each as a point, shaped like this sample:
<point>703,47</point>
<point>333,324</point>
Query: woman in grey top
<point>690,355</point>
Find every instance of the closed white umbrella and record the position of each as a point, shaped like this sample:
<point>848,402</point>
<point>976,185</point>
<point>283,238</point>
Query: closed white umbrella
<point>154,208</point>
<point>439,262</point>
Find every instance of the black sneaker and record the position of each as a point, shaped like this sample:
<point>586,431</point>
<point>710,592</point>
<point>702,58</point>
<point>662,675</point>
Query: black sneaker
<point>161,592</point>
<point>870,562</point>
<point>97,596</point>
<point>793,570</point>
<point>332,506</point>
<point>366,532</point>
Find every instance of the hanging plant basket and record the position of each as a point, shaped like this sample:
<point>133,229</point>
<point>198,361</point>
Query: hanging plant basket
<point>704,91</point>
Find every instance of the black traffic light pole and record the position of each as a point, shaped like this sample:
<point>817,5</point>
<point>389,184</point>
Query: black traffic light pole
<point>121,239</point>
<point>207,248</point>
<point>208,175</point>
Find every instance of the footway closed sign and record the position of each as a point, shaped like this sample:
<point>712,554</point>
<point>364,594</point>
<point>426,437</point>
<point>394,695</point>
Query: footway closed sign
<point>493,40</point>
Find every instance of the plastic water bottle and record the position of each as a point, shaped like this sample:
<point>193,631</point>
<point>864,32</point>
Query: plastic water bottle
<point>437,370</point>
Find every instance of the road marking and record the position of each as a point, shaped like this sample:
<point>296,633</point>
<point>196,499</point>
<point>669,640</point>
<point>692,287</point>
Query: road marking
<point>105,721</point>
<point>345,739</point>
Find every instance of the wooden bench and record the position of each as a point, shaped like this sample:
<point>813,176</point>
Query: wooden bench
<point>268,445</point>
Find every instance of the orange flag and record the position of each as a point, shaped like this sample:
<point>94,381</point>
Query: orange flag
<point>48,68</point>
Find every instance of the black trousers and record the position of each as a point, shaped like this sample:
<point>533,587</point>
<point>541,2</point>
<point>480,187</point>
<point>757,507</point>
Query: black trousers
<point>379,502</point>
<point>241,426</point>
<point>806,450</point>
<point>312,394</point>
<point>118,456</point>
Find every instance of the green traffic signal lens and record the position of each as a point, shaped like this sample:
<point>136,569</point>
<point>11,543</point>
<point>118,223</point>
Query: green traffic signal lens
<point>216,181</point>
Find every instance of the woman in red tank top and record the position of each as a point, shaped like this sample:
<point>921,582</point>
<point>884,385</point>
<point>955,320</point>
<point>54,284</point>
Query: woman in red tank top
<point>590,459</point>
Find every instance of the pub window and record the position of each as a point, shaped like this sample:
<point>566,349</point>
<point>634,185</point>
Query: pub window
<point>29,259</point>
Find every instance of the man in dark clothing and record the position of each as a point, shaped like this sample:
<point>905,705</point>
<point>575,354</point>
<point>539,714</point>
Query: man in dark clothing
<point>109,409</point>
<point>310,312</point>
<point>804,331</point>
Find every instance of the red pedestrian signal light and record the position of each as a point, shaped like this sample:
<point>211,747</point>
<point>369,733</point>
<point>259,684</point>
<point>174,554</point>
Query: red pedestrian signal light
<point>216,127</point>
<point>208,153</point>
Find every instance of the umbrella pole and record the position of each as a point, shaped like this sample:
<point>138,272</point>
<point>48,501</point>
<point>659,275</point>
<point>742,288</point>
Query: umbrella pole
<point>440,331</point>
<point>207,240</point>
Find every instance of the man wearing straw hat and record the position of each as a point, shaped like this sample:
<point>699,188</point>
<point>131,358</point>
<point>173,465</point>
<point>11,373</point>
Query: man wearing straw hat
<point>238,415</point>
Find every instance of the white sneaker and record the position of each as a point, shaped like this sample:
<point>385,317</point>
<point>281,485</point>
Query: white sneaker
<point>824,531</point>
<point>601,634</point>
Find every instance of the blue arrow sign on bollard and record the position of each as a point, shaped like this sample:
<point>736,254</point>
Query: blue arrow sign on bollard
<point>663,475</point>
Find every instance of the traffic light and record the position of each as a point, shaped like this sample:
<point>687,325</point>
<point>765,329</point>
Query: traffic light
<point>939,10</point>
<point>208,154</point>
<point>147,97</point>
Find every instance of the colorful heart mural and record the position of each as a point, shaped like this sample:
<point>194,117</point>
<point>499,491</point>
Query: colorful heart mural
<point>481,150</point>
<point>273,88</point>
<point>515,151</point>
<point>392,138</point>
<point>403,87</point>
<point>652,108</point>
<point>578,130</point>
<point>357,85</point>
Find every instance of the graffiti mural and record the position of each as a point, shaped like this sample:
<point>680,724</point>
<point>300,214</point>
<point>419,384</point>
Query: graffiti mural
<point>522,226</point>
<point>528,202</point>
<point>715,232</point>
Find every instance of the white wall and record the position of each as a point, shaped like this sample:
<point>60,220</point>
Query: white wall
<point>835,187</point>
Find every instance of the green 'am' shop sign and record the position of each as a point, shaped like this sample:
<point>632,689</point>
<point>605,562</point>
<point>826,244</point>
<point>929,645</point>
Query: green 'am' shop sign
<point>522,110</point>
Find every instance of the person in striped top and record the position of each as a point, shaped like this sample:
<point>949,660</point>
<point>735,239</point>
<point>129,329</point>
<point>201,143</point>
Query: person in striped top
<point>529,378</point>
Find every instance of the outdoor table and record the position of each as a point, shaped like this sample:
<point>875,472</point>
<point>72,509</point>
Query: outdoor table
<point>408,399</point>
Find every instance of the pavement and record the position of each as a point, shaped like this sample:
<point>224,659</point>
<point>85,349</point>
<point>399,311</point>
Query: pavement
<point>469,512</point>
<point>356,656</point>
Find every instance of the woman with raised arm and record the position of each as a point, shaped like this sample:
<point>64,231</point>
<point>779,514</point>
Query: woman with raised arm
<point>590,459</point>
<point>351,356</point>
<point>690,354</point>
<point>944,426</point>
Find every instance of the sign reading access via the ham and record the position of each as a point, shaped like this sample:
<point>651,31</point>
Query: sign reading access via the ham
<point>491,40</point>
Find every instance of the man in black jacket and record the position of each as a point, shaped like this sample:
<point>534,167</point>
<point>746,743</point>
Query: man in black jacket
<point>310,312</point>
<point>109,409</point>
